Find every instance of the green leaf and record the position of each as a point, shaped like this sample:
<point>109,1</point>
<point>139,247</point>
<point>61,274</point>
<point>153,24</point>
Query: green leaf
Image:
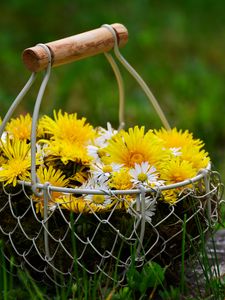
<point>152,275</point>
<point>133,278</point>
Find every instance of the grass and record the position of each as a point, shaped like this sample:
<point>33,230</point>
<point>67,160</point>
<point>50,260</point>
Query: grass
<point>150,282</point>
<point>152,286</point>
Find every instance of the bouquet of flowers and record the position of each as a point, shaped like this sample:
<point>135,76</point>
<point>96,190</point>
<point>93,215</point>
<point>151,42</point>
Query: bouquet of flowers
<point>72,153</point>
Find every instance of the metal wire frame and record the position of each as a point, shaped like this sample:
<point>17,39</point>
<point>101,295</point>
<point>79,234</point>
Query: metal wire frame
<point>207,205</point>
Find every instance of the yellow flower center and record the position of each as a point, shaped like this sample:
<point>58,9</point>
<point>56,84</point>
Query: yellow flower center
<point>22,133</point>
<point>98,199</point>
<point>177,177</point>
<point>107,169</point>
<point>136,158</point>
<point>101,152</point>
<point>142,177</point>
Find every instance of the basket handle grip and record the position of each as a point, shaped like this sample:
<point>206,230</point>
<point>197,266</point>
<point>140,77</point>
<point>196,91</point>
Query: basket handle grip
<point>74,48</point>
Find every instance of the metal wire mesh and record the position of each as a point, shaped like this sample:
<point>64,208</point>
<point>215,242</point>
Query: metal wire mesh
<point>56,246</point>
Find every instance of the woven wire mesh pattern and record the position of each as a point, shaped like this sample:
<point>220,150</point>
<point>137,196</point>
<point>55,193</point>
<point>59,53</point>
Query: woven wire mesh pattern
<point>63,243</point>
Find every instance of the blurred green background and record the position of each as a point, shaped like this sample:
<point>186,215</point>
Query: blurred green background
<point>177,46</point>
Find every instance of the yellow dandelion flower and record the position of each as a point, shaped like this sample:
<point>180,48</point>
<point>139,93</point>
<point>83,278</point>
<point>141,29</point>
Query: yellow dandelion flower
<point>68,151</point>
<point>176,170</point>
<point>170,196</point>
<point>18,161</point>
<point>67,127</point>
<point>53,177</point>
<point>80,177</point>
<point>176,139</point>
<point>80,205</point>
<point>134,146</point>
<point>20,128</point>
<point>198,158</point>
<point>121,180</point>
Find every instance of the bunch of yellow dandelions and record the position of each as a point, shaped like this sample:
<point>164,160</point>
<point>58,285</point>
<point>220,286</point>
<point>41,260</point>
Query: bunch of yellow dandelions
<point>72,153</point>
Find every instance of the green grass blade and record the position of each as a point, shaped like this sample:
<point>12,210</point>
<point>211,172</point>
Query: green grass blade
<point>183,256</point>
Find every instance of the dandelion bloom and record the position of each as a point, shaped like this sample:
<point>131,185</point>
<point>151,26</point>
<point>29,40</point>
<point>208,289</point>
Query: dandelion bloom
<point>67,127</point>
<point>20,128</point>
<point>121,180</point>
<point>134,146</point>
<point>177,170</point>
<point>80,205</point>
<point>17,161</point>
<point>68,151</point>
<point>177,138</point>
<point>198,158</point>
<point>53,177</point>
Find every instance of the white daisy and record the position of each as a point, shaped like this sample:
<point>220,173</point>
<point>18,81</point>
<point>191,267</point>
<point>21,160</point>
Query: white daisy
<point>97,185</point>
<point>105,135</point>
<point>99,199</point>
<point>93,152</point>
<point>150,208</point>
<point>96,151</point>
<point>143,174</point>
<point>41,150</point>
<point>103,172</point>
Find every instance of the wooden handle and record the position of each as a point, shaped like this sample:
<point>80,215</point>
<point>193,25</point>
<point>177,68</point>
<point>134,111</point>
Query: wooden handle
<point>74,47</point>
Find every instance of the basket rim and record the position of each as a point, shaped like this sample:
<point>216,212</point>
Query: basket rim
<point>47,186</point>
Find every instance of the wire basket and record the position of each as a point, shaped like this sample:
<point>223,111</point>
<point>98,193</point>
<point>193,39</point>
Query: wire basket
<point>57,243</point>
